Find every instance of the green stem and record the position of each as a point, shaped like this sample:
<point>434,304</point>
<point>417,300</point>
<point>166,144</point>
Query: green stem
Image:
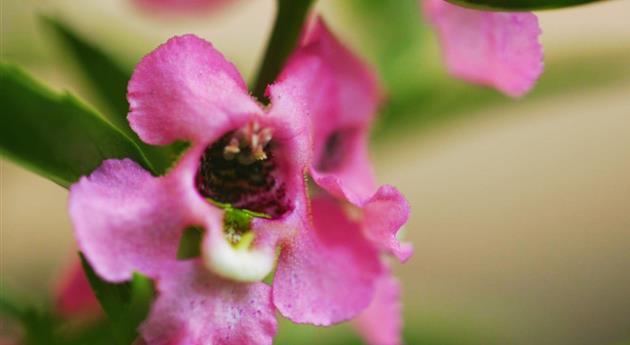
<point>290,17</point>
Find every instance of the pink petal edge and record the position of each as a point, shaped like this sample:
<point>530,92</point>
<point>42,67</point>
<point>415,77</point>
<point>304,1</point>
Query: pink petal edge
<point>186,90</point>
<point>499,49</point>
<point>326,275</point>
<point>194,307</point>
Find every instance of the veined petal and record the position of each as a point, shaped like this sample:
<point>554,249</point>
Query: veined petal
<point>327,274</point>
<point>194,307</point>
<point>186,90</point>
<point>381,323</point>
<point>126,220</point>
<point>498,49</point>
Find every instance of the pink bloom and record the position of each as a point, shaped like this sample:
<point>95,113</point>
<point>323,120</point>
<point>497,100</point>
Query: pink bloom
<point>341,125</point>
<point>355,220</point>
<point>253,158</point>
<point>74,296</point>
<point>128,221</point>
<point>497,49</point>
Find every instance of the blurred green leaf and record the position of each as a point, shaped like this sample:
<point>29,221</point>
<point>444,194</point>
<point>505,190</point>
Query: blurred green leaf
<point>55,135</point>
<point>393,33</point>
<point>109,81</point>
<point>106,77</point>
<point>447,98</point>
<point>519,5</point>
<point>126,304</point>
<point>38,327</point>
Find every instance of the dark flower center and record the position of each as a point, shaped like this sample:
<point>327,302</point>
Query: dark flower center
<point>241,169</point>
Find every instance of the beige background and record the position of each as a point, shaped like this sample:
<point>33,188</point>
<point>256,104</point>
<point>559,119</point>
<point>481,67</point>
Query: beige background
<point>521,216</point>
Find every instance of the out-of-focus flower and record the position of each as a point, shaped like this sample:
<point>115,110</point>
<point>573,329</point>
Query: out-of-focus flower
<point>74,297</point>
<point>498,49</point>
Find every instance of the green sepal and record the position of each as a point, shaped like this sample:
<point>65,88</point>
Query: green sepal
<point>126,304</point>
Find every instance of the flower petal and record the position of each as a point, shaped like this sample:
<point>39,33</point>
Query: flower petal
<point>195,307</point>
<point>186,90</point>
<point>381,323</point>
<point>326,275</point>
<point>498,49</point>
<point>126,220</point>
<point>343,96</point>
<point>351,87</point>
<point>384,214</point>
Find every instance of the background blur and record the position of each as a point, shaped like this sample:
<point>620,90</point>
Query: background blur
<point>521,209</point>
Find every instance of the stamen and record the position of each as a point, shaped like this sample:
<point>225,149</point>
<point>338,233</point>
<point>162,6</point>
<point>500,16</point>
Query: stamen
<point>239,169</point>
<point>232,149</point>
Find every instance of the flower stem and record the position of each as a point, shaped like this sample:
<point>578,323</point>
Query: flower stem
<point>290,17</point>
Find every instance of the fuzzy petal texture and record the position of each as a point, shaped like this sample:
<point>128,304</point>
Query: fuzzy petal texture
<point>498,49</point>
<point>186,90</point>
<point>195,307</point>
<point>328,274</point>
<point>381,323</point>
<point>126,220</point>
<point>342,97</point>
<point>384,215</point>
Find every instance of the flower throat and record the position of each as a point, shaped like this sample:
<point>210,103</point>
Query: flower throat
<point>241,169</point>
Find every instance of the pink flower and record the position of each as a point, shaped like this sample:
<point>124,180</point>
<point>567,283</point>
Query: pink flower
<point>498,49</point>
<point>253,158</point>
<point>350,210</point>
<point>128,221</point>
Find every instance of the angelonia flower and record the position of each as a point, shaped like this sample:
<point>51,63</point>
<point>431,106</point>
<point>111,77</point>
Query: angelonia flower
<point>496,49</point>
<point>242,182</point>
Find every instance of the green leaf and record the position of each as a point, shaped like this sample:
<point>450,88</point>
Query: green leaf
<point>190,243</point>
<point>38,327</point>
<point>448,99</point>
<point>519,5</point>
<point>53,134</point>
<point>126,304</point>
<point>108,79</point>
